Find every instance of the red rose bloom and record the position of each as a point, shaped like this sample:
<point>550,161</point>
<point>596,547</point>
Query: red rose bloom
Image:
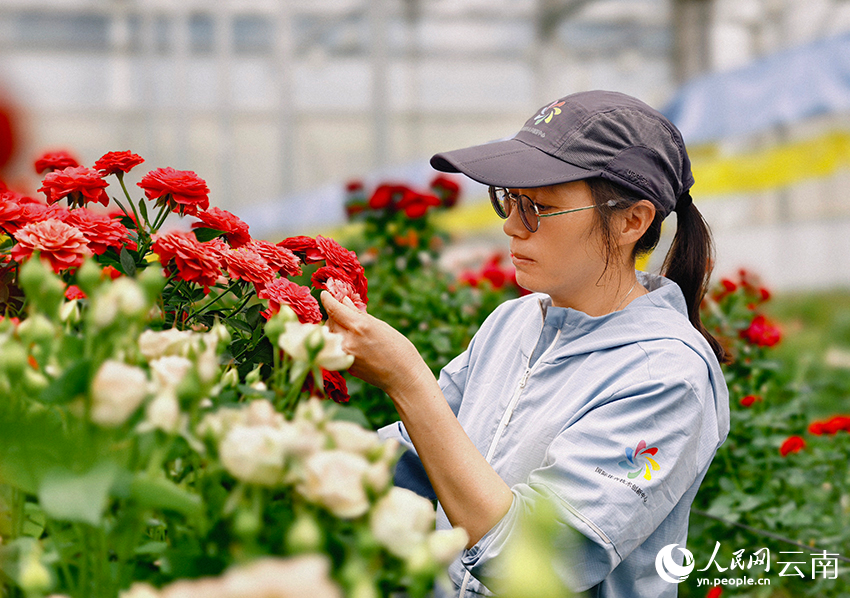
<point>336,388</point>
<point>111,272</point>
<point>79,184</point>
<point>59,160</point>
<point>762,332</point>
<point>282,291</point>
<point>244,264</point>
<point>62,245</point>
<point>792,444</point>
<point>280,259</point>
<point>101,231</point>
<point>836,424</point>
<point>337,255</point>
<point>305,247</point>
<point>181,190</point>
<point>195,262</point>
<point>118,162</point>
<point>234,229</point>
<point>446,189</point>
<point>492,272</point>
<point>714,592</point>
<point>337,283</point>
<point>74,292</point>
<point>415,205</point>
<point>748,400</point>
<point>388,196</point>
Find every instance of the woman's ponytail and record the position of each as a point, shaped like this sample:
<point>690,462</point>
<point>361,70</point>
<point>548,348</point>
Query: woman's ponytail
<point>689,263</point>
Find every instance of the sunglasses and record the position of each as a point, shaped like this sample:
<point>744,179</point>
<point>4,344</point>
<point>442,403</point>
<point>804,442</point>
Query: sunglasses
<point>502,201</point>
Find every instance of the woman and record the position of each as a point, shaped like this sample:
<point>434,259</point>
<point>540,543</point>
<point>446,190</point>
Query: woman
<point>601,391</point>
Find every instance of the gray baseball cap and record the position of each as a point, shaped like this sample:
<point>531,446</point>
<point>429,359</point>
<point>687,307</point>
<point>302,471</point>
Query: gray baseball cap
<point>584,135</point>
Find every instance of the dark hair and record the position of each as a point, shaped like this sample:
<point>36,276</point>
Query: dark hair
<point>689,261</point>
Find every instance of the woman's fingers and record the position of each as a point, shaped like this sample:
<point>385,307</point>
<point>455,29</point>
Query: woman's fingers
<point>339,313</point>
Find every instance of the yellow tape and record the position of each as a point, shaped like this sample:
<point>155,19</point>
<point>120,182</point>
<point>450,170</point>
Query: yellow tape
<point>773,168</point>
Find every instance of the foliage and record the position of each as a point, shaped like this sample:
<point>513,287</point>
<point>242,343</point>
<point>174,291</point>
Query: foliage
<point>400,248</point>
<point>159,405</point>
<point>779,472</point>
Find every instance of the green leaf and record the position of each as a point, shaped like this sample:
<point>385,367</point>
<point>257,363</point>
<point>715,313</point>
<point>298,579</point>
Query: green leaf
<point>152,548</point>
<point>206,234</point>
<point>240,325</point>
<point>143,210</point>
<point>68,496</point>
<point>159,493</point>
<point>71,384</point>
<point>128,264</point>
<point>34,521</point>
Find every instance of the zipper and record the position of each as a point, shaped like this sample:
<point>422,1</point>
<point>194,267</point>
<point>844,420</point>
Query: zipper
<point>506,417</point>
<point>503,424</point>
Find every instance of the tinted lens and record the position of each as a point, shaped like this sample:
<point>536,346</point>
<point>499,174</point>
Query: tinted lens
<point>500,201</point>
<point>527,213</point>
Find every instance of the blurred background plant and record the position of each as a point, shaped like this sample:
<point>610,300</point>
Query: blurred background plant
<point>781,480</point>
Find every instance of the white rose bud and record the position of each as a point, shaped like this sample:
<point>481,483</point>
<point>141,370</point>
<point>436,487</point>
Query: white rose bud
<point>256,454</point>
<point>156,344</point>
<point>163,413</point>
<point>169,371</point>
<point>334,479</point>
<point>401,520</point>
<point>117,391</point>
<point>353,438</point>
<point>262,413</point>
<point>299,341</point>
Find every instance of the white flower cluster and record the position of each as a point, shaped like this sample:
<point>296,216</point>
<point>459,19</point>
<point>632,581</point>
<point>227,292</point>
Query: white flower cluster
<point>335,464</point>
<point>296,577</point>
<point>119,389</point>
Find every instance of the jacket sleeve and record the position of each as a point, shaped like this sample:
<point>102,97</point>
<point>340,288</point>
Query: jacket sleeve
<point>409,471</point>
<point>613,475</point>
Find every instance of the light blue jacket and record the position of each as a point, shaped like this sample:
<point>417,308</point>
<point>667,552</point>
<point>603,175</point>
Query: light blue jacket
<point>616,418</point>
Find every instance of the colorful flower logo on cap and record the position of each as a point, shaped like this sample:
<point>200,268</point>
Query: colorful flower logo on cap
<point>639,460</point>
<point>548,112</point>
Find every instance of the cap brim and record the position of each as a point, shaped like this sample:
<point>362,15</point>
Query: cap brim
<point>510,163</point>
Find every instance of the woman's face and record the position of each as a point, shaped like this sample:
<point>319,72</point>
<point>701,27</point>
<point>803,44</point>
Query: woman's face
<point>565,257</point>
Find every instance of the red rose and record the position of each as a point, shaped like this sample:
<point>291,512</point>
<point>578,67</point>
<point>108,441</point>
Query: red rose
<point>62,245</point>
<point>415,205</point>
<point>446,189</point>
<point>79,184</point>
<point>714,592</point>
<point>109,271</point>
<point>118,162</point>
<point>837,424</point>
<point>58,160</point>
<point>234,229</point>
<point>337,255</point>
<point>74,292</point>
<point>792,444</point>
<point>282,291</point>
<point>244,264</point>
<point>280,259</point>
<point>385,196</point>
<point>181,190</point>
<point>101,231</point>
<point>762,332</point>
<point>337,283</point>
<point>469,277</point>
<point>748,400</point>
<point>336,388</point>
<point>305,247</point>
<point>195,262</point>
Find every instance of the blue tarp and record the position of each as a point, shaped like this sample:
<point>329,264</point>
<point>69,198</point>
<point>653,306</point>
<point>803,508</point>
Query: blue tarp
<point>779,89</point>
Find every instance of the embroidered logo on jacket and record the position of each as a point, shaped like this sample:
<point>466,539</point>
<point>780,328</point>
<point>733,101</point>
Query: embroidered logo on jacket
<point>640,460</point>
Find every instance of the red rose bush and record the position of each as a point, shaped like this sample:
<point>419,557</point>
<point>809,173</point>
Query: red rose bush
<point>165,404</point>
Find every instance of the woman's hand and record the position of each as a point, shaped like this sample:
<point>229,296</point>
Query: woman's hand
<point>383,356</point>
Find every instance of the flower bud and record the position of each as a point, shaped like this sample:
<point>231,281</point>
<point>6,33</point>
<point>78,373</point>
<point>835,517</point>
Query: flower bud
<point>152,282</point>
<point>89,276</point>
<point>36,329</point>
<point>246,524</point>
<point>230,378</point>
<point>13,357</point>
<point>34,382</point>
<point>305,535</point>
<point>34,576</point>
